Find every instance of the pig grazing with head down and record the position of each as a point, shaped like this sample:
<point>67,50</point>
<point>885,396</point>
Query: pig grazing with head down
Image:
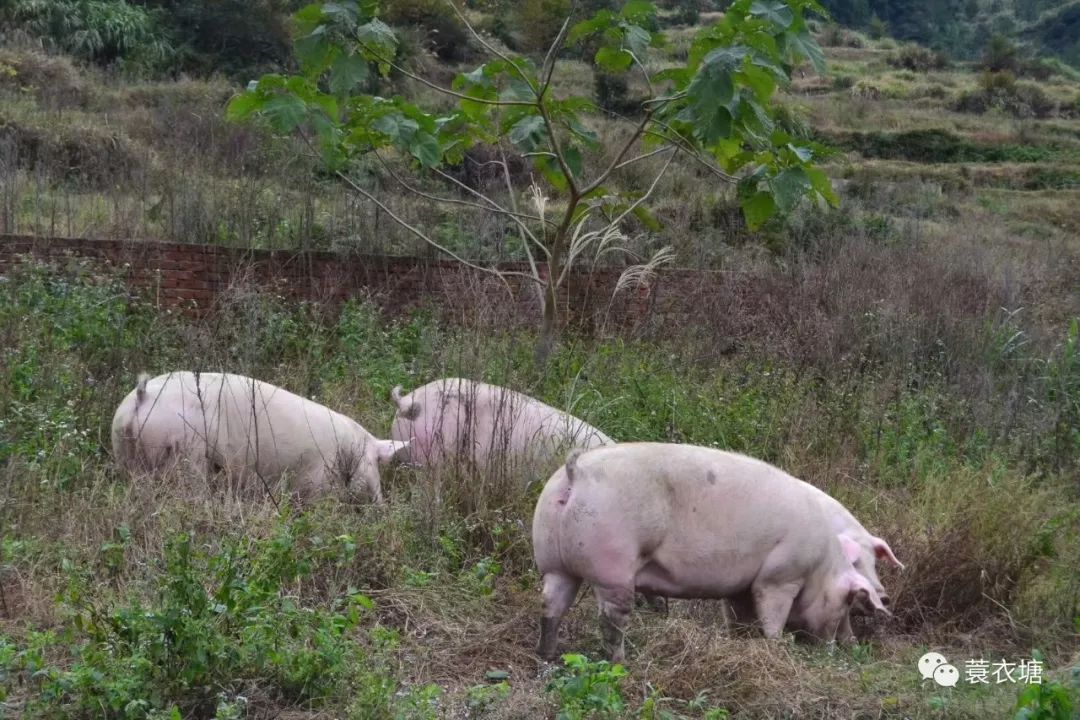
<point>862,548</point>
<point>487,427</point>
<point>690,522</point>
<point>219,422</point>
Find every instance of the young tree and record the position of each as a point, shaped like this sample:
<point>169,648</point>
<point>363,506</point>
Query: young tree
<point>716,108</point>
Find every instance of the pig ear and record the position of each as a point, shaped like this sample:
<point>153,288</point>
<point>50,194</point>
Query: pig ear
<point>387,449</point>
<point>852,551</point>
<point>882,550</point>
<point>860,586</point>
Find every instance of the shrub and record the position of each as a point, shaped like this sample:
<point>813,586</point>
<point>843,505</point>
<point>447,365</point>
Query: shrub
<point>936,146</point>
<point>1000,54</point>
<point>877,28</point>
<point>101,31</point>
<point>239,38</point>
<point>919,59</point>
<point>217,620</point>
<point>1000,90</point>
<point>836,36</point>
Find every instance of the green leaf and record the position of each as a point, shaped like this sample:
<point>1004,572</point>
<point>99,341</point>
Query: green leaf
<point>343,14</point>
<point>347,72</point>
<point>789,187</point>
<point>379,36</point>
<point>613,60</point>
<point>284,112</point>
<point>572,156</point>
<point>587,136</point>
<point>425,148</point>
<point>775,11</point>
<point>819,181</point>
<point>307,18</point>
<point>802,45</point>
<point>551,171</point>
<point>314,52</point>
<point>760,81</point>
<point>243,106</point>
<point>593,25</point>
<point>528,132</point>
<point>646,218</point>
<point>637,39</point>
<point>638,10</point>
<point>758,208</point>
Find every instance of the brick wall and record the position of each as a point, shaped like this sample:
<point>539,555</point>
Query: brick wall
<point>195,278</point>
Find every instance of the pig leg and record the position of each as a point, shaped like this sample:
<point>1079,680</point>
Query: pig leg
<point>844,634</point>
<point>773,605</point>
<point>559,592</point>
<point>615,604</point>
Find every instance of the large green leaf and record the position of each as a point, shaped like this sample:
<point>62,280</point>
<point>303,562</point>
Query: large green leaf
<point>638,11</point>
<point>425,148</point>
<point>789,187</point>
<point>244,106</point>
<point>528,132</point>
<point>613,60</point>
<point>758,208</point>
<point>306,19</point>
<point>802,45</point>
<point>586,28</point>
<point>820,182</point>
<point>636,39</point>
<point>343,14</point>
<point>346,73</point>
<point>284,112</point>
<point>572,156</point>
<point>377,35</point>
<point>775,11</point>
<point>314,52</point>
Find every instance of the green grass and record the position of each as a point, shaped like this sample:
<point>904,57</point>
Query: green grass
<point>132,599</point>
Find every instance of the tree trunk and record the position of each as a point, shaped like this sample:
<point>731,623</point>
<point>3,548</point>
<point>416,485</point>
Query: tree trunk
<point>546,342</point>
<point>549,324</point>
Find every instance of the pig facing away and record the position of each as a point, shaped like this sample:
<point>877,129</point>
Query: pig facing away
<point>251,430</point>
<point>454,421</point>
<point>690,522</point>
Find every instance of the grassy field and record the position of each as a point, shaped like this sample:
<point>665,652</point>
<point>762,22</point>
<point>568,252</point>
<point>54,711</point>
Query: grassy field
<point>915,353</point>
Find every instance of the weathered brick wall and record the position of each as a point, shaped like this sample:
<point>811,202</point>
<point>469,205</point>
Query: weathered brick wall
<point>196,277</point>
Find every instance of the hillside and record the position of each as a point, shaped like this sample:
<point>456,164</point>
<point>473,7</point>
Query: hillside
<point>964,27</point>
<point>915,352</point>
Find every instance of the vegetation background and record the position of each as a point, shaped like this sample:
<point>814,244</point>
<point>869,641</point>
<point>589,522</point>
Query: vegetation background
<point>915,352</point>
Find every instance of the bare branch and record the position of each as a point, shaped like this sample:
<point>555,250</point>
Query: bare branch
<point>557,148</point>
<point>638,158</point>
<point>548,68</point>
<point>501,274</point>
<point>446,90</point>
<point>638,131</point>
<point>491,207</point>
<point>524,228</point>
<point>680,143</point>
<point>526,236</point>
<point>656,181</point>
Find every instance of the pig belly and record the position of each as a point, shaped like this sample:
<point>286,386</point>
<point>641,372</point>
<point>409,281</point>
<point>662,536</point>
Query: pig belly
<point>700,580</point>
